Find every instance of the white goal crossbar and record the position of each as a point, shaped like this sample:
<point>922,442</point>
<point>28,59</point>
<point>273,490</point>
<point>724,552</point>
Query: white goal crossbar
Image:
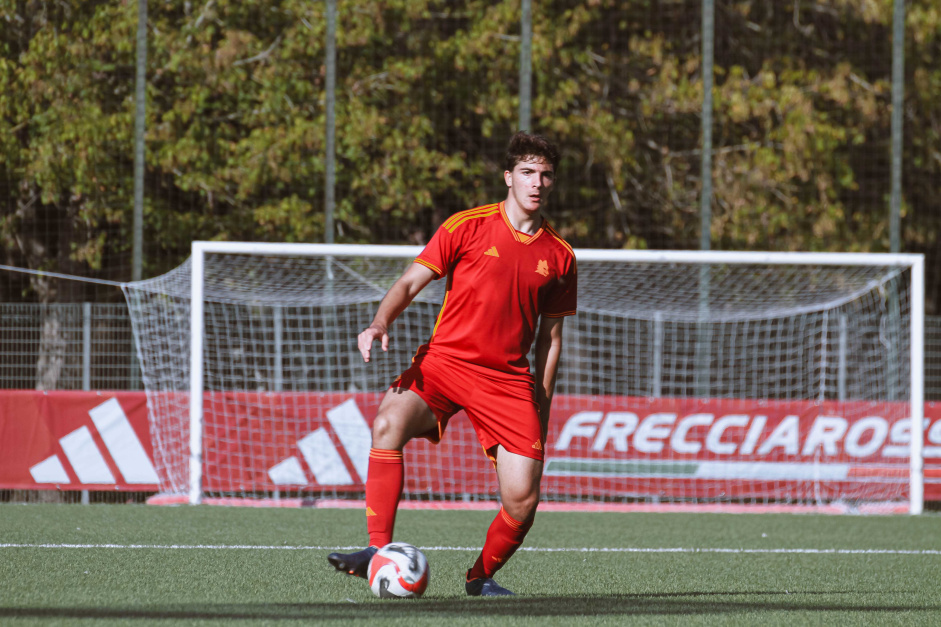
<point>912,262</point>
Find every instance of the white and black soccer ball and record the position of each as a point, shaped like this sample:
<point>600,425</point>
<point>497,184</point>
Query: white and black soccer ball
<point>398,571</point>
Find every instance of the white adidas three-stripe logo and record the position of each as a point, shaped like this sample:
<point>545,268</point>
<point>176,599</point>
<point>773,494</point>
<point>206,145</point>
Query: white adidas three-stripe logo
<point>322,456</point>
<point>86,459</point>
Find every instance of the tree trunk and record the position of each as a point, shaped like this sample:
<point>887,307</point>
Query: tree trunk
<point>52,349</point>
<point>31,239</point>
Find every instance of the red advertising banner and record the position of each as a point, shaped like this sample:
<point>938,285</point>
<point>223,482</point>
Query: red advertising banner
<point>597,447</point>
<point>752,449</point>
<point>75,441</point>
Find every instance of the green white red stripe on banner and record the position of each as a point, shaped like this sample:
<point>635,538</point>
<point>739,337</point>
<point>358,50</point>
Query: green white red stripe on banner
<point>750,471</point>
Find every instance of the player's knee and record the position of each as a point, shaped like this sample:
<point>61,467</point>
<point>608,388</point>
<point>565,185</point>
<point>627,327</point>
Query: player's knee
<point>521,504</point>
<point>381,428</point>
<point>387,432</point>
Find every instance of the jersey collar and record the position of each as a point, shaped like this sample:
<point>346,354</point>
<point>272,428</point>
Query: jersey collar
<point>519,237</point>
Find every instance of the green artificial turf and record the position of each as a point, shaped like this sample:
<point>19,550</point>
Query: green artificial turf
<point>154,575</point>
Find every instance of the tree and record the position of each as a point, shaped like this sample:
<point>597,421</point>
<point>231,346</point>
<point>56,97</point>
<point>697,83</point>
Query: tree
<point>427,96</point>
<point>65,110</point>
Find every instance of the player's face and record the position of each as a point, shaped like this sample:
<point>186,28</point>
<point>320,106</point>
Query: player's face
<point>530,183</point>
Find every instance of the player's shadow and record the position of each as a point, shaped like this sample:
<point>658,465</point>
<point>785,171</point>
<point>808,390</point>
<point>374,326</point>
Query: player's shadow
<point>609,605</point>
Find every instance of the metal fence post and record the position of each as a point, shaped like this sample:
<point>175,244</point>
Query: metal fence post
<point>898,101</point>
<point>86,346</point>
<point>703,332</point>
<point>140,96</point>
<point>330,156</point>
<point>86,366</point>
<point>526,67</point>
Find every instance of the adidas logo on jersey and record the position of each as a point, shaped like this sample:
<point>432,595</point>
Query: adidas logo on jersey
<point>492,252</point>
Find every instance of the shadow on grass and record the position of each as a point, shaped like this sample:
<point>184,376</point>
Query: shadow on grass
<point>639,605</point>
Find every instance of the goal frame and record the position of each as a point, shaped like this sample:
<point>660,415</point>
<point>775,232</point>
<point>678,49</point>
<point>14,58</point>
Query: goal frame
<point>914,262</point>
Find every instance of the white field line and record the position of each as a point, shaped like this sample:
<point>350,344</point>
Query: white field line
<point>257,547</point>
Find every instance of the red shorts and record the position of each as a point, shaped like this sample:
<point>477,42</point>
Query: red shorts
<point>501,406</point>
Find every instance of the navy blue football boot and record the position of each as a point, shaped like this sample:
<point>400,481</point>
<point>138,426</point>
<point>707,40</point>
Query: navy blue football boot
<point>356,564</point>
<point>485,587</point>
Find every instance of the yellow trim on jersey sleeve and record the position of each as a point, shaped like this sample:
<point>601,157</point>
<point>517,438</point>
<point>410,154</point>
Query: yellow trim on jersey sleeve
<point>461,215</point>
<point>431,266</point>
<point>470,216</point>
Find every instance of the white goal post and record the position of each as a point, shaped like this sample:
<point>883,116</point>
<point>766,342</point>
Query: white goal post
<point>199,251</point>
<point>687,376</point>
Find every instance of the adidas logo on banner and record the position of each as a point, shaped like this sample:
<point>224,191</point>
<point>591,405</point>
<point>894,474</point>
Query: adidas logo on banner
<point>87,460</point>
<point>323,458</point>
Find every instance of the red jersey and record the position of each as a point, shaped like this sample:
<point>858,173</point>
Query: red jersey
<point>499,282</point>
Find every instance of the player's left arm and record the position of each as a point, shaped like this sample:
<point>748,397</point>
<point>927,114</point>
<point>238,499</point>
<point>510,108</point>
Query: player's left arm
<point>548,354</point>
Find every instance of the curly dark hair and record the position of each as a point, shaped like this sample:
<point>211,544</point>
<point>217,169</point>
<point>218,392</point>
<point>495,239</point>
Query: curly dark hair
<point>525,146</point>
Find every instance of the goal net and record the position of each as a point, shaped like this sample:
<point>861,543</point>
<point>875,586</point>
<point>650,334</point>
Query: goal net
<point>691,377</point>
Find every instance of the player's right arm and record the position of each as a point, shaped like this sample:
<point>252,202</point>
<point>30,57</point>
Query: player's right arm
<point>402,292</point>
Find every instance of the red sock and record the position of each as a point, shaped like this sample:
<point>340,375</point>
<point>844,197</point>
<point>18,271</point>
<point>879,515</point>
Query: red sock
<point>384,481</point>
<point>503,538</point>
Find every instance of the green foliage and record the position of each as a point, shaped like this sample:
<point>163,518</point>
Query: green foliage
<point>427,94</point>
<point>66,123</point>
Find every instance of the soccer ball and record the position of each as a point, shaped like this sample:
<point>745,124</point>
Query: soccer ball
<point>398,571</point>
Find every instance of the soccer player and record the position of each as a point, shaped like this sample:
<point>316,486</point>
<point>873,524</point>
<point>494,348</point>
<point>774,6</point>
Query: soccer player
<point>510,279</point>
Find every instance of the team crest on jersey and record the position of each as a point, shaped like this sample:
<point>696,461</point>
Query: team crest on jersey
<point>542,267</point>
